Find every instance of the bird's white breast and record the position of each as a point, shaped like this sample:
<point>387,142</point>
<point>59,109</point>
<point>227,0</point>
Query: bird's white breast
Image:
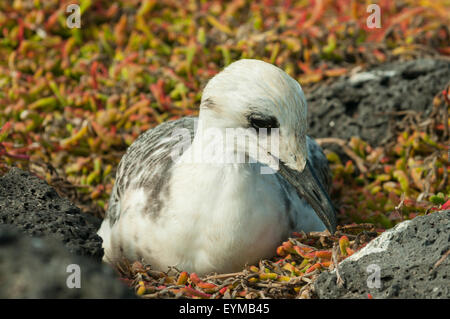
<point>218,218</point>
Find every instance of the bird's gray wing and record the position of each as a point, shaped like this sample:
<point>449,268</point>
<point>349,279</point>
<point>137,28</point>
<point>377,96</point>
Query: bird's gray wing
<point>313,183</point>
<point>147,164</point>
<point>319,162</point>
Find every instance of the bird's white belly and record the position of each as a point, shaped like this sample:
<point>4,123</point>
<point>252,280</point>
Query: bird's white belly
<point>210,224</point>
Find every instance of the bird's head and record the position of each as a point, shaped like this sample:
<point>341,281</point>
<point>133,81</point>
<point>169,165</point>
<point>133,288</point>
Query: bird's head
<point>255,94</point>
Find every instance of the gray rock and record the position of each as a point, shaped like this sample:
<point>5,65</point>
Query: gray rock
<point>362,105</point>
<point>35,208</point>
<point>359,78</point>
<point>406,257</point>
<point>38,268</point>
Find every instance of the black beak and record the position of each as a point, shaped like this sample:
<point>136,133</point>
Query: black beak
<point>310,188</point>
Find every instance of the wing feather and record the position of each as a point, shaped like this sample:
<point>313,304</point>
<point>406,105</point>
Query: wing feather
<point>320,163</point>
<point>147,164</point>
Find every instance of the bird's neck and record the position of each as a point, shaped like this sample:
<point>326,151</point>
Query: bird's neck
<point>219,145</point>
<point>213,145</point>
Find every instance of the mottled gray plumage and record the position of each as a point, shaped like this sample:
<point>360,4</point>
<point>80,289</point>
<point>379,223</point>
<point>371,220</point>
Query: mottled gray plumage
<point>147,163</point>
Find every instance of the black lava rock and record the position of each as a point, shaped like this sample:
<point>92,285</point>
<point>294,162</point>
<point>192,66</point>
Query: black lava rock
<point>363,105</point>
<point>410,260</point>
<point>43,268</point>
<point>35,208</point>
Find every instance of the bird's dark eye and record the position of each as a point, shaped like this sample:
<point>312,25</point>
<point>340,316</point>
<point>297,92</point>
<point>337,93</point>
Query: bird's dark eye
<point>259,121</point>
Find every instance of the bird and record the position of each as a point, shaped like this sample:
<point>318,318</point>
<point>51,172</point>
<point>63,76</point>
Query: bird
<point>169,209</point>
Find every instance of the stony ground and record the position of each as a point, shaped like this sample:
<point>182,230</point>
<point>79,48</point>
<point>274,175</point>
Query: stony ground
<point>370,106</point>
<point>410,261</point>
<point>33,267</point>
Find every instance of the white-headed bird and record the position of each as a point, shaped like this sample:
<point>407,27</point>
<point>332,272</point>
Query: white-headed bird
<point>188,205</point>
